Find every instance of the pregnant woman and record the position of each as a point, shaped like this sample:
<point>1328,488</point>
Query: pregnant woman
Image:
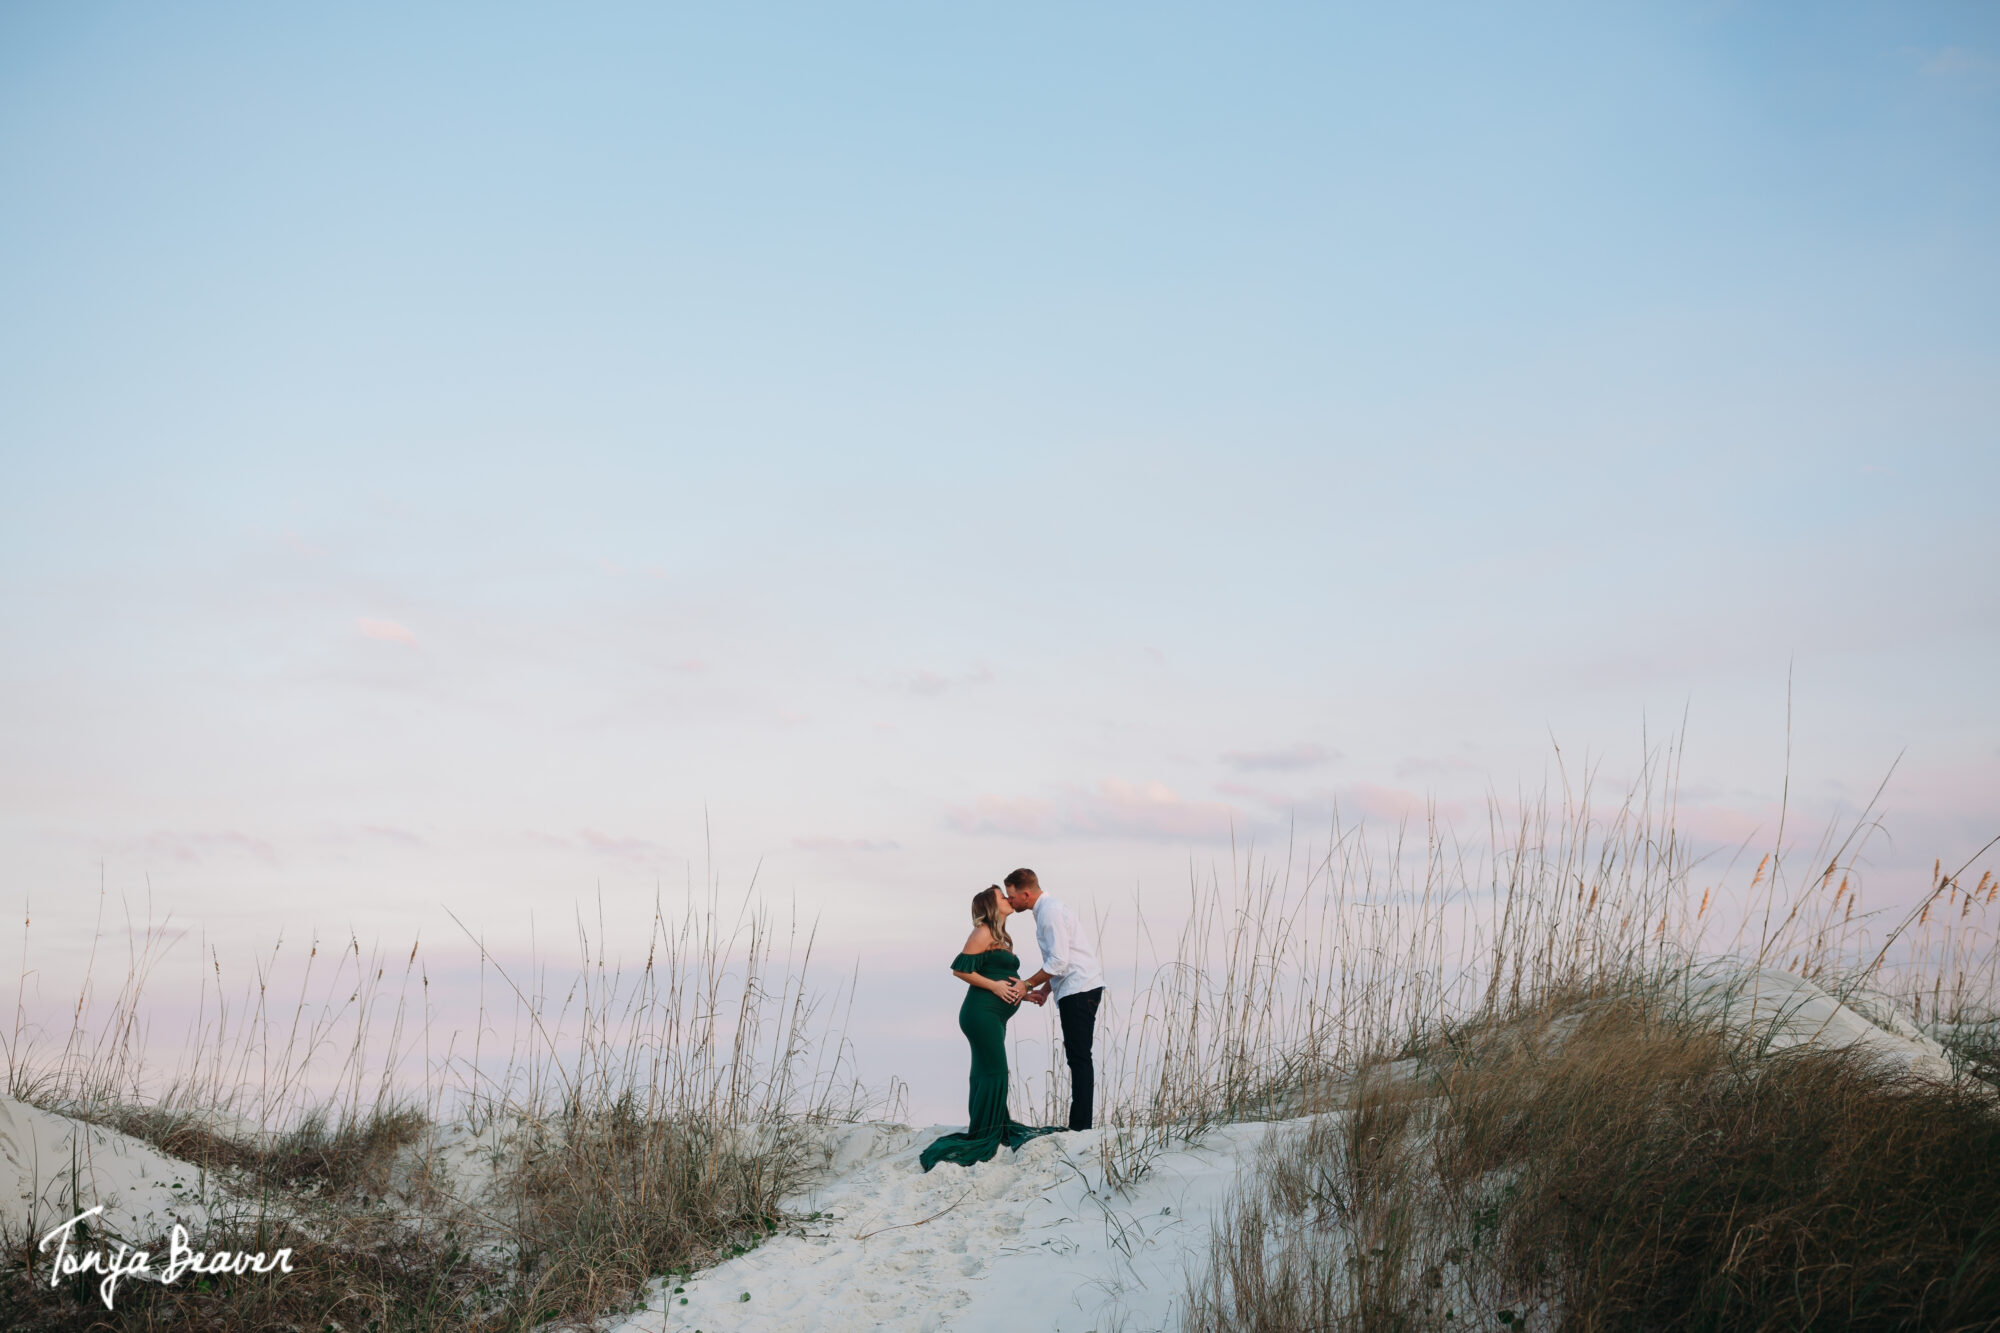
<point>992,975</point>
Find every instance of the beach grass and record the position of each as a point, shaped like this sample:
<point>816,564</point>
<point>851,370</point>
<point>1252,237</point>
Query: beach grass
<point>1524,1108</point>
<point>1628,1169</point>
<point>642,1123</point>
<point>1500,1106</point>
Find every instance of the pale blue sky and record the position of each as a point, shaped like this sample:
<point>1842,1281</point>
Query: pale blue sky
<point>932,441</point>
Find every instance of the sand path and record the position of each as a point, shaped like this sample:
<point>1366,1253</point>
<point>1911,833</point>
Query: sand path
<point>1030,1240</point>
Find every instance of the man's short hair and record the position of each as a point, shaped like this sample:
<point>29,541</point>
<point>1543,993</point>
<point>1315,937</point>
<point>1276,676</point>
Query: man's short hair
<point>1023,879</point>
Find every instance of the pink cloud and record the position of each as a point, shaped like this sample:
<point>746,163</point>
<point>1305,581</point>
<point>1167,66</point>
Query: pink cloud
<point>1714,826</point>
<point>387,630</point>
<point>1390,805</point>
<point>1149,811</point>
<point>1359,802</point>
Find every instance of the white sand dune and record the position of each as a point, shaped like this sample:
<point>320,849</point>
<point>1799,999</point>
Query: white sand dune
<point>53,1167</point>
<point>1782,1011</point>
<point>1030,1240</point>
<point>1033,1240</point>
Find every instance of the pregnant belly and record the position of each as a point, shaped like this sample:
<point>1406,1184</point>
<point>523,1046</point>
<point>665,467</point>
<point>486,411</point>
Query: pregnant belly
<point>981,998</point>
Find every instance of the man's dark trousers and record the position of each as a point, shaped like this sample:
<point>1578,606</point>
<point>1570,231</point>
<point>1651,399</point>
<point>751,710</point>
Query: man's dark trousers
<point>1079,1025</point>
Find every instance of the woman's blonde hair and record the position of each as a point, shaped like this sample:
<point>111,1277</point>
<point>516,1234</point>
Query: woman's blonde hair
<point>986,912</point>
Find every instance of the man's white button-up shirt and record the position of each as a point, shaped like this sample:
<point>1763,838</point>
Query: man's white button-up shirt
<point>1066,956</point>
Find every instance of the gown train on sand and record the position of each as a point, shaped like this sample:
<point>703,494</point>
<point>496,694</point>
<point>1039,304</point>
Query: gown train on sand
<point>983,1019</point>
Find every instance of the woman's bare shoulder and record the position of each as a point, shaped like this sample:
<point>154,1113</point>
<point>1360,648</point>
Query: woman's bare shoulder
<point>979,941</point>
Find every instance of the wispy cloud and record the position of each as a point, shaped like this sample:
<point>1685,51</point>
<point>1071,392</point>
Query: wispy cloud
<point>1288,759</point>
<point>1435,766</point>
<point>299,545</point>
<point>1264,796</point>
<point>817,844</point>
<point>929,684</point>
<point>624,847</point>
<point>1372,803</point>
<point>618,846</point>
<point>387,630</point>
<point>1963,63</point>
<point>1147,811</point>
<point>196,846</point>
<point>1355,803</point>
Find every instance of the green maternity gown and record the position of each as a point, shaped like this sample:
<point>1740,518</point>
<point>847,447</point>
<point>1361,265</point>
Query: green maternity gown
<point>983,1019</point>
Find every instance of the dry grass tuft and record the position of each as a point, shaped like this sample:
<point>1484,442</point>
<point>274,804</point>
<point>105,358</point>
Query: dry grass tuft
<point>1625,1168</point>
<point>373,1275</point>
<point>643,1122</point>
<point>1669,1180</point>
<point>1509,1120</point>
<point>1974,1048</point>
<point>353,1154</point>
<point>620,1200</point>
<point>1518,1120</point>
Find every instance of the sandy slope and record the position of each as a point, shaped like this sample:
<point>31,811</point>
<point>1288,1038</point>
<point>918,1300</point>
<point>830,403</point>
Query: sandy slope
<point>1030,1240</point>
<point>53,1167</point>
<point>1786,1011</point>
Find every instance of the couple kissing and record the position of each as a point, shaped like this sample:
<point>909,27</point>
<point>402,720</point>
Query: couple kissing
<point>1070,973</point>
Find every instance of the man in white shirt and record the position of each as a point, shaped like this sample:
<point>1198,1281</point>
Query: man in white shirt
<point>1071,972</point>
